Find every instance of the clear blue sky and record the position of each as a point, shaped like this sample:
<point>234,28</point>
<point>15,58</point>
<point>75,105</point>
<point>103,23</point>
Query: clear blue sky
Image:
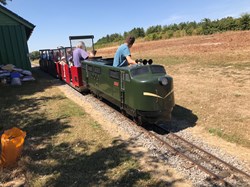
<point>56,20</point>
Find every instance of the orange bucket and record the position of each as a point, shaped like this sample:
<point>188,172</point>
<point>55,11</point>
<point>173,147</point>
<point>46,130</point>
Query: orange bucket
<point>12,144</point>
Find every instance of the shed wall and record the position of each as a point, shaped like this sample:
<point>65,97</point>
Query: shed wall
<point>13,43</point>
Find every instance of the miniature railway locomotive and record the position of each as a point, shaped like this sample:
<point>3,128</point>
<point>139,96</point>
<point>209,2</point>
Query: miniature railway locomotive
<point>143,91</point>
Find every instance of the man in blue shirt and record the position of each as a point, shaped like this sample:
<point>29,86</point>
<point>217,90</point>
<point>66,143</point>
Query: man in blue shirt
<point>123,56</point>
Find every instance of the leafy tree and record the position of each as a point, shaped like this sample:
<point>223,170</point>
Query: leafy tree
<point>206,26</point>
<point>4,2</point>
<point>109,39</point>
<point>115,37</point>
<point>182,26</point>
<point>198,30</point>
<point>153,36</point>
<point>245,22</point>
<point>136,32</point>
<point>173,27</point>
<point>103,40</point>
<point>190,27</point>
<point>154,29</point>
<point>227,24</point>
<point>34,55</point>
<point>168,34</point>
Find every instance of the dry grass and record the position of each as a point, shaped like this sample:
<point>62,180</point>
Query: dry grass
<point>211,78</point>
<point>64,145</point>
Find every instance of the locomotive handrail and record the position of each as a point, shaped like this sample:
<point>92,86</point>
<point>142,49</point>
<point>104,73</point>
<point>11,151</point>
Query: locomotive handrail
<point>45,49</point>
<point>81,37</point>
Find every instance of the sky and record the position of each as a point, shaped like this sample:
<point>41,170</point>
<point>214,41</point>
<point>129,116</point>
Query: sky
<point>56,20</point>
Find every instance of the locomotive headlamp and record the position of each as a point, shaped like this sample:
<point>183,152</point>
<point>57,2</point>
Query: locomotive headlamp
<point>163,81</point>
<point>150,61</point>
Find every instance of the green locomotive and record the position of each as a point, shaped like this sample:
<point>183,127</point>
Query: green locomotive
<point>144,92</point>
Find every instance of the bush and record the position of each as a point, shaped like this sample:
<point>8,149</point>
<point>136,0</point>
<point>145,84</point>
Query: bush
<point>34,55</point>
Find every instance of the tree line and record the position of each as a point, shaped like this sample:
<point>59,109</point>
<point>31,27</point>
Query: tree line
<point>204,27</point>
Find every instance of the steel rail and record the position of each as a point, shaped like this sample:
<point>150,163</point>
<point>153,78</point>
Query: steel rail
<point>216,177</point>
<point>201,156</point>
<point>226,164</point>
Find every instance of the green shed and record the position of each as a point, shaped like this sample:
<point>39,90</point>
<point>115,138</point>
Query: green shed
<point>14,34</point>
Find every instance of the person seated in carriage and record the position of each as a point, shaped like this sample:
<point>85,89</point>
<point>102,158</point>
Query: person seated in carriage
<point>80,53</point>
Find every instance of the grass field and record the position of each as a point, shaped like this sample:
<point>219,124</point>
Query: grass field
<point>211,77</point>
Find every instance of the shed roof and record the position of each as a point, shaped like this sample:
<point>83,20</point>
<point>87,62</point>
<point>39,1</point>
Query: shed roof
<point>28,26</point>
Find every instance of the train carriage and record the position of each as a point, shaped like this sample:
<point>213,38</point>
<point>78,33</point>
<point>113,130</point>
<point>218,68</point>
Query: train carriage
<point>143,91</point>
<point>47,62</point>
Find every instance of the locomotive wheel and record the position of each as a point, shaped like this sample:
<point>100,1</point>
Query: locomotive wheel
<point>124,113</point>
<point>138,120</point>
<point>99,97</point>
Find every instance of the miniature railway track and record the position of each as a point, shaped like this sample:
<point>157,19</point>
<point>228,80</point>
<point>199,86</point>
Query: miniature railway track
<point>231,167</point>
<point>180,146</point>
<point>210,164</point>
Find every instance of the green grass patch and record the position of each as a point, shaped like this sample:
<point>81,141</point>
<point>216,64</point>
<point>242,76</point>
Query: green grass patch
<point>217,132</point>
<point>95,125</point>
<point>230,137</point>
<point>69,109</point>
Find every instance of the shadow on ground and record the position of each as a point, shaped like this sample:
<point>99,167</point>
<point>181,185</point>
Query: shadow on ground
<point>182,118</point>
<point>61,164</point>
<point>16,111</point>
<point>80,169</point>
